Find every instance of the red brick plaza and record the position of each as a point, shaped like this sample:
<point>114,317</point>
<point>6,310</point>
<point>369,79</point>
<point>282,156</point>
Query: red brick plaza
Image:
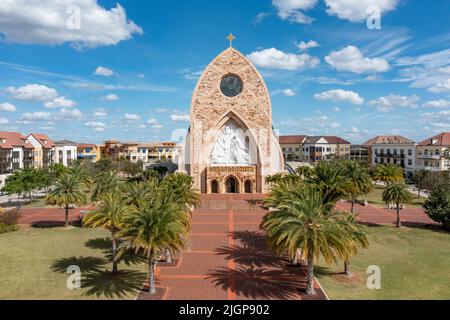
<point>228,258</point>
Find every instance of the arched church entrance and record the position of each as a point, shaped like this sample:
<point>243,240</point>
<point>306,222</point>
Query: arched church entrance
<point>232,185</point>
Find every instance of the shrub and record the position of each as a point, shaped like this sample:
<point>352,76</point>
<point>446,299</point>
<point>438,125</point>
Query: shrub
<point>4,228</point>
<point>10,217</point>
<point>438,205</point>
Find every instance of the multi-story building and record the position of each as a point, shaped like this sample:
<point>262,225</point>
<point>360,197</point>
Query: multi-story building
<point>433,154</point>
<point>65,152</point>
<point>15,153</point>
<point>322,148</point>
<point>145,153</point>
<point>391,149</point>
<point>89,152</point>
<point>292,147</point>
<point>360,153</point>
<point>44,148</point>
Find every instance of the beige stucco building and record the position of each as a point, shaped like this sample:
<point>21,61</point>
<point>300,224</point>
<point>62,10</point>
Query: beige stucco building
<point>231,146</point>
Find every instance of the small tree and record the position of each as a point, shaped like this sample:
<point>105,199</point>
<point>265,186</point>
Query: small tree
<point>438,205</point>
<point>398,194</point>
<point>112,210</point>
<point>419,179</point>
<point>388,173</point>
<point>68,190</point>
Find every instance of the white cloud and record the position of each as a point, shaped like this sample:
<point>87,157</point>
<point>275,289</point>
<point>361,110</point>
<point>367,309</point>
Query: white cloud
<point>340,95</point>
<point>356,10</point>
<point>389,103</point>
<point>304,46</point>
<point>335,125</point>
<point>33,92</point>
<point>441,87</point>
<point>35,116</point>
<point>50,22</point>
<point>336,109</point>
<point>437,104</point>
<point>69,114</point>
<point>7,107</point>
<point>289,93</point>
<point>104,72</point>
<point>180,118</point>
<point>95,124</point>
<point>292,10</point>
<point>111,97</point>
<point>132,117</point>
<point>99,129</point>
<point>276,59</point>
<point>60,102</point>
<point>354,130</point>
<point>152,122</point>
<point>4,121</point>
<point>351,59</point>
<point>439,119</point>
<point>98,113</point>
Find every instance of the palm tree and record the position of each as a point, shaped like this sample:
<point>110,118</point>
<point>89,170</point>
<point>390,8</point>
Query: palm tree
<point>156,227</point>
<point>329,178</point>
<point>136,193</point>
<point>360,181</point>
<point>398,194</point>
<point>304,171</point>
<point>388,173</point>
<point>107,182</point>
<point>356,237</point>
<point>113,208</point>
<point>305,223</point>
<point>68,190</point>
<point>179,189</point>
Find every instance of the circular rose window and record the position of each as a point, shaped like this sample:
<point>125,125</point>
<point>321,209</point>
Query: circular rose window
<point>231,86</point>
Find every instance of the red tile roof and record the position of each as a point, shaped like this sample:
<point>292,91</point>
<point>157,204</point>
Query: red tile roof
<point>329,139</point>
<point>388,139</point>
<point>85,145</point>
<point>14,139</point>
<point>42,138</point>
<point>442,139</point>
<point>292,139</point>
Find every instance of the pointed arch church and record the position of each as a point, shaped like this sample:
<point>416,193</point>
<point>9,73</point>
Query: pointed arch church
<point>231,146</point>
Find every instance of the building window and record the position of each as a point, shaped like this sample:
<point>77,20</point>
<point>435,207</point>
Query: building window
<point>248,186</point>
<point>214,187</point>
<point>409,162</point>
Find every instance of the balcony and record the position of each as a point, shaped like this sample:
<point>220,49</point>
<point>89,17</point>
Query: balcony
<point>430,157</point>
<point>390,155</point>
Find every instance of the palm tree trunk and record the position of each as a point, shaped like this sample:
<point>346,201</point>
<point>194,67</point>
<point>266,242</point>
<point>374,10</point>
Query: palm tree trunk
<point>399,221</point>
<point>115,269</point>
<point>66,216</point>
<point>168,256</point>
<point>151,272</point>
<point>418,195</point>
<point>347,267</point>
<point>310,277</point>
<point>353,206</point>
<point>31,197</point>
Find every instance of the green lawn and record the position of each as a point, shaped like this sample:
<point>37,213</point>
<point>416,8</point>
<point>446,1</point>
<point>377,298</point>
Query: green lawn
<point>375,198</point>
<point>33,263</point>
<point>414,262</point>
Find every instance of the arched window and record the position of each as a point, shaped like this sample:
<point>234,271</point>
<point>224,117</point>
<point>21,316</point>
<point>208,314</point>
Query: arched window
<point>232,185</point>
<point>214,187</point>
<point>248,186</point>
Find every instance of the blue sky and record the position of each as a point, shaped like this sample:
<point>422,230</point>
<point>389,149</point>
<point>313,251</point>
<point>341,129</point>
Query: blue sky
<point>129,70</point>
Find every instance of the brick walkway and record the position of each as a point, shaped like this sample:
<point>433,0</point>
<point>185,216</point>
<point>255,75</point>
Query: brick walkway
<point>48,217</point>
<point>229,260</point>
<point>374,215</point>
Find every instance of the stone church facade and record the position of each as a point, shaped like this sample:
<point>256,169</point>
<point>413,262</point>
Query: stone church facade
<point>231,146</point>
